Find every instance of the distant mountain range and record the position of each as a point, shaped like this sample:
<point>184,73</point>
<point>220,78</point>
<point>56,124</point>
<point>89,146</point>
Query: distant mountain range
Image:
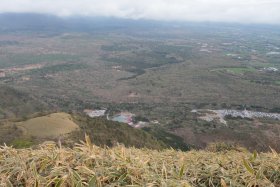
<point>30,22</point>
<point>40,22</point>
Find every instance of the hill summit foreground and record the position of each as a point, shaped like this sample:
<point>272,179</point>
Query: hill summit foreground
<point>89,165</point>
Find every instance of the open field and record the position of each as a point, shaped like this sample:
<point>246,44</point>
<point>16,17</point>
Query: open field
<point>53,125</point>
<point>237,70</point>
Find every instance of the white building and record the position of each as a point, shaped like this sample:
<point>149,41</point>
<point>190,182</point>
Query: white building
<point>271,69</point>
<point>2,74</point>
<point>95,113</point>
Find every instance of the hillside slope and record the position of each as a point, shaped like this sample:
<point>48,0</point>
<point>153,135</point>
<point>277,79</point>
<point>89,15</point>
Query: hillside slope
<point>109,133</point>
<point>71,128</point>
<point>17,103</point>
<point>89,165</point>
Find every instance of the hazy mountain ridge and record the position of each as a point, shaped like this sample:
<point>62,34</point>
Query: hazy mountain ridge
<point>32,22</point>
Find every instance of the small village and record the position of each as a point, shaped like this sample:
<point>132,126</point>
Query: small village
<point>122,117</point>
<point>211,115</point>
<point>2,74</point>
<point>270,69</point>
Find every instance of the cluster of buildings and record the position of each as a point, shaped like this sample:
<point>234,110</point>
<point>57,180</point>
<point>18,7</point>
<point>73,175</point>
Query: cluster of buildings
<point>270,69</point>
<point>205,48</point>
<point>118,68</point>
<point>273,53</point>
<point>127,117</point>
<point>2,74</point>
<point>247,114</point>
<point>211,115</point>
<point>123,117</point>
<point>95,113</point>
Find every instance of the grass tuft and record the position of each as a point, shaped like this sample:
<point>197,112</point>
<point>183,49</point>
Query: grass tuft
<point>90,165</point>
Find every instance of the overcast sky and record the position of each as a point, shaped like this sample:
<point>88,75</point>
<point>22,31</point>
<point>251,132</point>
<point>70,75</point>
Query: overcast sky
<point>243,11</point>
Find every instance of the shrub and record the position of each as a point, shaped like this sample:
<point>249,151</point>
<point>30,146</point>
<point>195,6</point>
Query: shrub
<point>224,146</point>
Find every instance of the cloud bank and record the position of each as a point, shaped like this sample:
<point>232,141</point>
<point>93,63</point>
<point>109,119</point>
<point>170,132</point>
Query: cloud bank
<point>241,11</point>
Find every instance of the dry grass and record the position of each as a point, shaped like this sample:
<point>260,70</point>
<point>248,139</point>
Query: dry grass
<point>89,165</point>
<point>49,126</point>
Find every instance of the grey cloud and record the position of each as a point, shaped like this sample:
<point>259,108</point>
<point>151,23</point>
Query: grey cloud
<point>244,11</point>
